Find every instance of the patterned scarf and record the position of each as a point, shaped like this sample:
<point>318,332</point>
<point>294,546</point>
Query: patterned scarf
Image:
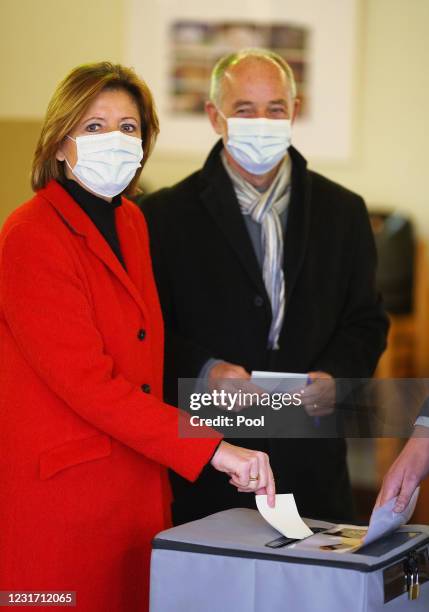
<point>265,208</point>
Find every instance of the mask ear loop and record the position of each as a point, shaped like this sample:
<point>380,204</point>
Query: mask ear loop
<point>221,114</point>
<point>65,158</point>
<point>225,119</point>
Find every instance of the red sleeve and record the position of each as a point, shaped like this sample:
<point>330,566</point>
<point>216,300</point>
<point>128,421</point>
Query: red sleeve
<point>49,314</point>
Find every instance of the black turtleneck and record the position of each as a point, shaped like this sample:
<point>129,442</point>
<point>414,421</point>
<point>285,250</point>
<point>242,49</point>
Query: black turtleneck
<point>101,213</point>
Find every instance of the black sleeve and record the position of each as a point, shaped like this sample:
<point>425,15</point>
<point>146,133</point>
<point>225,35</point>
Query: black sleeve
<point>361,333</point>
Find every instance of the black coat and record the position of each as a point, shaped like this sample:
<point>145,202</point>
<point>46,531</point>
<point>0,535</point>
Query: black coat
<point>215,305</point>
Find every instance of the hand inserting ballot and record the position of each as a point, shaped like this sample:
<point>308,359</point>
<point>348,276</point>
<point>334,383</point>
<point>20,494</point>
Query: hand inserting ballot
<point>250,470</point>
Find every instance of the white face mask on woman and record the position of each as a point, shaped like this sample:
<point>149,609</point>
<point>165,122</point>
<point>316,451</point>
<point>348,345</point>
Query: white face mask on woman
<point>258,144</point>
<point>106,163</point>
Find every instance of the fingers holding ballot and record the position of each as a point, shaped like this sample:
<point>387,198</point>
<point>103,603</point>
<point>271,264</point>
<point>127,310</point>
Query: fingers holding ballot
<point>319,395</point>
<point>316,390</point>
<point>235,380</point>
<point>249,470</point>
<point>406,473</point>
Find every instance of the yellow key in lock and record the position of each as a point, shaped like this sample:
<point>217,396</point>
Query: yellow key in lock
<point>414,587</point>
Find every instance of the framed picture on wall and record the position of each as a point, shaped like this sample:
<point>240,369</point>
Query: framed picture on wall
<point>196,46</point>
<point>174,44</point>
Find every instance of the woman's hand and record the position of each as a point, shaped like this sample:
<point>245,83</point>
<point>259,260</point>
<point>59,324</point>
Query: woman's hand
<point>250,470</point>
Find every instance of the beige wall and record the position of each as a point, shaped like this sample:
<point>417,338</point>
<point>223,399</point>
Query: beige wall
<point>18,140</point>
<point>41,41</point>
<point>392,96</point>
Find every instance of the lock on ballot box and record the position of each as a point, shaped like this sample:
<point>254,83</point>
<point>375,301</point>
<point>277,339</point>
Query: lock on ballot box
<point>233,561</point>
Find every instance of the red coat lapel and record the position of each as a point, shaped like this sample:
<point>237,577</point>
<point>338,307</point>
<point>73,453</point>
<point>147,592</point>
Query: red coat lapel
<point>79,223</point>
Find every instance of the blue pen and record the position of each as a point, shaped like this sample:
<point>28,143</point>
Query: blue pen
<point>316,420</point>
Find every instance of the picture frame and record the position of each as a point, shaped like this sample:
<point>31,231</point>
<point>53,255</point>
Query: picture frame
<point>323,132</point>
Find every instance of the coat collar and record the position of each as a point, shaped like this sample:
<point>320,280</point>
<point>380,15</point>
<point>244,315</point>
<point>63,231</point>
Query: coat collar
<point>219,198</point>
<point>80,224</point>
<point>298,221</point>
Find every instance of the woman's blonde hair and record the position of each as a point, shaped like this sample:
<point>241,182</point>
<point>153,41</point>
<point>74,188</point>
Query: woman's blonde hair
<point>68,105</point>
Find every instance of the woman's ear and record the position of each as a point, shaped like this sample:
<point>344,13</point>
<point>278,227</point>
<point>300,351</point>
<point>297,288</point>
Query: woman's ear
<point>59,155</point>
<point>62,151</point>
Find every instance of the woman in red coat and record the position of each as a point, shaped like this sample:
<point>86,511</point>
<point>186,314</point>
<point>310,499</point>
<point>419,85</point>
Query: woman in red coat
<point>85,438</point>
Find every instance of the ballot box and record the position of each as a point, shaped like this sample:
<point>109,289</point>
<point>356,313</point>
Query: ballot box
<point>233,561</point>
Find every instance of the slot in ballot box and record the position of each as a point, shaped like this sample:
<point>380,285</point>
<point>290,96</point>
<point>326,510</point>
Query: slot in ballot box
<point>222,563</point>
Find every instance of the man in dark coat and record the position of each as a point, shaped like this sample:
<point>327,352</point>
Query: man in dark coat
<point>263,264</point>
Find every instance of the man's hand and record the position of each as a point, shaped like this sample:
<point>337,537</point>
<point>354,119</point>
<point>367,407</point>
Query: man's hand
<point>406,473</point>
<point>250,470</point>
<point>232,378</point>
<point>318,398</point>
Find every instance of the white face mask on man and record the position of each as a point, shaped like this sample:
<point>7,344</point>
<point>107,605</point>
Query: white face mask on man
<point>106,163</point>
<point>258,144</point>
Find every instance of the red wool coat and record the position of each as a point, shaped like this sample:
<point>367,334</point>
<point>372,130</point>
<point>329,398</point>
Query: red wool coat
<point>83,450</point>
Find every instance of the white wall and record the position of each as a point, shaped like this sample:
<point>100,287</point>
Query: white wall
<point>392,96</point>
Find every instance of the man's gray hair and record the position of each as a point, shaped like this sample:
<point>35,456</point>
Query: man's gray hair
<point>232,59</point>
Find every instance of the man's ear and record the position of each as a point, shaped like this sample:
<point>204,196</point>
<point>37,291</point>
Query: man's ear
<point>215,118</point>
<point>296,109</point>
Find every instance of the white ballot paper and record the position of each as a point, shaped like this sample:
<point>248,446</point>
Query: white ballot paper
<point>284,516</point>
<point>384,520</point>
<point>281,382</point>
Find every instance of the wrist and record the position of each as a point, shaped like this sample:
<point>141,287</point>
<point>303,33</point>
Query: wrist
<point>212,458</point>
<point>216,457</point>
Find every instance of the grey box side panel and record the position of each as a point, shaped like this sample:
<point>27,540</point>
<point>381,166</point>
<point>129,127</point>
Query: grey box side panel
<point>186,582</point>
